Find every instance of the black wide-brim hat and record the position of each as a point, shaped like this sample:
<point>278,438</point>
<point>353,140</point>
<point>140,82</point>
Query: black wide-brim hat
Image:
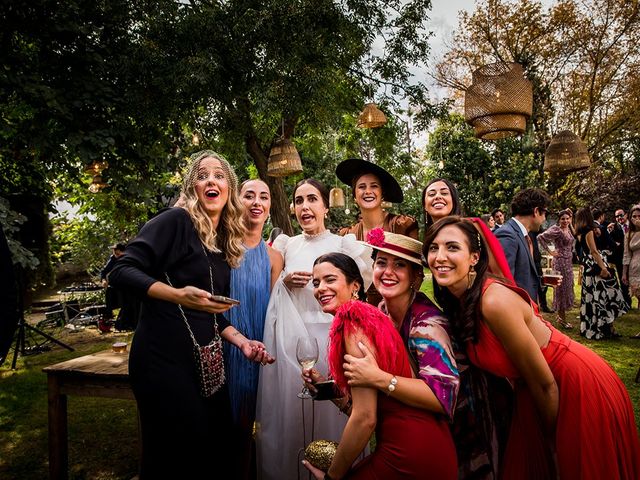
<point>351,168</point>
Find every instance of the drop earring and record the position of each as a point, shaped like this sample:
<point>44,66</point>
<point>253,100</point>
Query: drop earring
<point>471,277</point>
<point>354,295</point>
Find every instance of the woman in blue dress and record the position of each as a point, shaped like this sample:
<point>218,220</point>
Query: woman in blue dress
<point>251,284</point>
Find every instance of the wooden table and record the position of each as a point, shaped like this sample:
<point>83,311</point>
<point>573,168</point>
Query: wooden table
<point>102,374</point>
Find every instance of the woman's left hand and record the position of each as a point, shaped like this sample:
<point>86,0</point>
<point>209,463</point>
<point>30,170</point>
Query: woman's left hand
<point>316,472</point>
<point>361,372</point>
<point>256,352</point>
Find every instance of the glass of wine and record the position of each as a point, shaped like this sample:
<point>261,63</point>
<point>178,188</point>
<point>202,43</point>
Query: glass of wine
<point>307,356</point>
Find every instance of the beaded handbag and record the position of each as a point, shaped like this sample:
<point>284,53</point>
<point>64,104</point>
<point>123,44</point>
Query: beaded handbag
<point>208,358</point>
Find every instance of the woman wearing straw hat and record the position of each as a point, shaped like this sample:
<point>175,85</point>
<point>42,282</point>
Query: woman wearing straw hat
<point>412,436</point>
<point>370,185</point>
<point>433,385</point>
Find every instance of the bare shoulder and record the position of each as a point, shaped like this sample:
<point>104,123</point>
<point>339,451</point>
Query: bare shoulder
<point>275,257</point>
<point>499,302</point>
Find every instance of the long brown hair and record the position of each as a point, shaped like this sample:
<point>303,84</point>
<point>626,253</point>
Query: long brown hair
<point>463,311</point>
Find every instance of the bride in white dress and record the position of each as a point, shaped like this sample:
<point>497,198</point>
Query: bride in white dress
<point>293,312</point>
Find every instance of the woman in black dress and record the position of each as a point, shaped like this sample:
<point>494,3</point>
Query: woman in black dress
<point>178,261</point>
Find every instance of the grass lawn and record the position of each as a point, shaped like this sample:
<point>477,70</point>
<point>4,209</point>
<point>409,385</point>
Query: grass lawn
<point>103,437</point>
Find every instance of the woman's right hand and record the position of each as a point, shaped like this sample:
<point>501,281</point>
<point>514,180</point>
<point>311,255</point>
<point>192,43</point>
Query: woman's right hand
<point>297,279</point>
<point>311,377</point>
<point>198,299</point>
<point>604,273</point>
<point>362,372</point>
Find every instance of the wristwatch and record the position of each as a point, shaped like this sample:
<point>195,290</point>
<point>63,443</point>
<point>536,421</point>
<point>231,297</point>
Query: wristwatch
<point>392,385</point>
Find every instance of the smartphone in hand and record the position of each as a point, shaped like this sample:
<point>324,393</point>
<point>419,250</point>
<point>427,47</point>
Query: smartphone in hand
<point>223,299</point>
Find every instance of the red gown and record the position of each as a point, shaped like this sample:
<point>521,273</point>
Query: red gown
<point>410,442</point>
<point>596,435</point>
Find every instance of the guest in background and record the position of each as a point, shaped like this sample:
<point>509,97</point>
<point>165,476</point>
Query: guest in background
<point>604,243</point>
<point>498,216</point>
<point>568,399</point>
<point>251,285</point>
<point>397,423</point>
<point>294,312</point>
<point>631,260</point>
<point>439,199</point>
<point>618,230</point>
<point>529,211</point>
<point>371,185</point>
<point>537,259</point>
<point>489,221</point>
<point>601,299</point>
<point>177,262</point>
<point>112,296</point>
<point>558,242</point>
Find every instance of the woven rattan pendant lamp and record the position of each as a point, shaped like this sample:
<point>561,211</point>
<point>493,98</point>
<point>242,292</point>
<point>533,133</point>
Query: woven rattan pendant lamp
<point>566,153</point>
<point>336,198</point>
<point>499,101</point>
<point>284,159</point>
<point>371,116</point>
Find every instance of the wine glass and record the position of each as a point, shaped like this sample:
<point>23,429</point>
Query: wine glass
<point>307,356</point>
<point>551,247</point>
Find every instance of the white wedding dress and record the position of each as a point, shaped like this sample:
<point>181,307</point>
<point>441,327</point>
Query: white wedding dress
<point>280,435</point>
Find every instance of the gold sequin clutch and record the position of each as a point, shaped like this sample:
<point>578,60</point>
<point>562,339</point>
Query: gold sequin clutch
<point>319,453</point>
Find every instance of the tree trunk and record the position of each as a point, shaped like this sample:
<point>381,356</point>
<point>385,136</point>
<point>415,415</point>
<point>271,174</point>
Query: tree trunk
<point>279,201</point>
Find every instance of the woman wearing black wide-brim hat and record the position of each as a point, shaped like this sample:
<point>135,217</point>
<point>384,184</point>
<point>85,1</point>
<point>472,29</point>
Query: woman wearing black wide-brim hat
<point>370,185</point>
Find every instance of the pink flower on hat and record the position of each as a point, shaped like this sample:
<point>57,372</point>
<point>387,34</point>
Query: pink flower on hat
<point>376,237</point>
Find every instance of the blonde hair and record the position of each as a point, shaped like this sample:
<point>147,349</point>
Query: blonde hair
<point>231,228</point>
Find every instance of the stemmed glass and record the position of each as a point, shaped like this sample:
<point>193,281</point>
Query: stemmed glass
<point>307,356</point>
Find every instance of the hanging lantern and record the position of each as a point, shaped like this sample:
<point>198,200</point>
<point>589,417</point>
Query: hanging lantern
<point>195,139</point>
<point>371,117</point>
<point>499,101</point>
<point>97,184</point>
<point>96,167</point>
<point>566,153</point>
<point>284,159</point>
<point>336,198</point>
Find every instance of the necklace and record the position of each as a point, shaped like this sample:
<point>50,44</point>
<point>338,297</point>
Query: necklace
<point>310,236</point>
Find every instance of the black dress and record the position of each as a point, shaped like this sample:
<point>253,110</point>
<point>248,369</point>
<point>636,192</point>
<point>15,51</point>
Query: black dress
<point>183,434</point>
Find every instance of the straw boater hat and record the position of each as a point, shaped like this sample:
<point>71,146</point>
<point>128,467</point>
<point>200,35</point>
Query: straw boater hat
<point>352,168</point>
<point>399,245</point>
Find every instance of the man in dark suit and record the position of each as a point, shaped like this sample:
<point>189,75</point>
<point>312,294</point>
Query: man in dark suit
<point>528,213</point>
<point>604,243</point>
<point>617,231</point>
<point>498,217</point>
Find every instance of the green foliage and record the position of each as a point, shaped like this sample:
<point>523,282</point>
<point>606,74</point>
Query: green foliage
<point>10,222</point>
<point>487,175</point>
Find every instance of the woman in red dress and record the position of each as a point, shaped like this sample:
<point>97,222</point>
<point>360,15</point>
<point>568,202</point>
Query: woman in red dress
<point>410,442</point>
<point>573,418</point>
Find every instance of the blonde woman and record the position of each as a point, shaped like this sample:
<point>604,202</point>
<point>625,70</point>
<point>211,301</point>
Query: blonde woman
<point>180,259</point>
